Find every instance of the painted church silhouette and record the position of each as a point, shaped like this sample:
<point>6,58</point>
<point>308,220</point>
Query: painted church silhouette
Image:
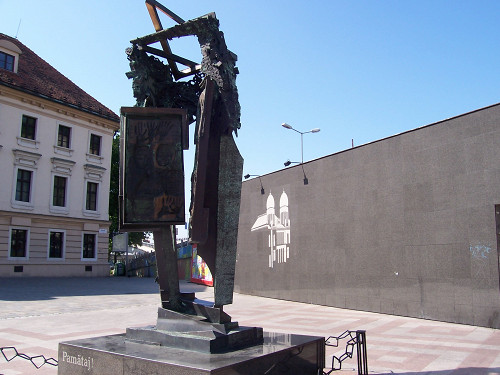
<point>278,227</point>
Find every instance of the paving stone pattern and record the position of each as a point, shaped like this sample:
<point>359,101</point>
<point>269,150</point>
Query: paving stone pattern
<point>36,314</point>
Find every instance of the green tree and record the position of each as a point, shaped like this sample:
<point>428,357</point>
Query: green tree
<point>134,238</point>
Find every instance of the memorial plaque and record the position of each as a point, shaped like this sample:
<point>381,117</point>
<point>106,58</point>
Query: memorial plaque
<point>152,167</point>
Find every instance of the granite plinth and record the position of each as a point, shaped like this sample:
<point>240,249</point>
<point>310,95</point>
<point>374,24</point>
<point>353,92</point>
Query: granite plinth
<point>110,355</point>
<point>194,332</point>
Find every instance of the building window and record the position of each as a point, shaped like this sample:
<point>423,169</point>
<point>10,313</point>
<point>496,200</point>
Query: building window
<point>6,61</point>
<point>89,246</point>
<point>64,136</point>
<point>91,198</point>
<point>61,175</point>
<point>23,185</point>
<point>59,192</point>
<point>18,243</point>
<point>24,179</point>
<point>95,144</point>
<point>28,127</point>
<point>91,201</point>
<point>56,244</point>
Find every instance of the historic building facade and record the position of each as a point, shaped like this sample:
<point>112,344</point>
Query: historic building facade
<point>55,156</point>
<point>408,225</point>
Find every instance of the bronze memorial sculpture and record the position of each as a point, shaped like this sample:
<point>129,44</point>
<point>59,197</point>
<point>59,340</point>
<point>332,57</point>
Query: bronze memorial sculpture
<point>190,336</point>
<point>152,185</point>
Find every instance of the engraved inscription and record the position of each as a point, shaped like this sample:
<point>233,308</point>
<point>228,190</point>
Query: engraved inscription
<point>78,360</point>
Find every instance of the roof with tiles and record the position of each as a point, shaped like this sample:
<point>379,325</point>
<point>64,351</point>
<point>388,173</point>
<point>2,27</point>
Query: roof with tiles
<point>37,77</point>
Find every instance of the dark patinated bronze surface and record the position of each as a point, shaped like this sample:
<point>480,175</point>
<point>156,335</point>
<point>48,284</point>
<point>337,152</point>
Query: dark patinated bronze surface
<point>152,168</point>
<point>210,98</point>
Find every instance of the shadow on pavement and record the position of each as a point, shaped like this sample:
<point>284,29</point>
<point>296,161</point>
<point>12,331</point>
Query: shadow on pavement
<point>41,288</point>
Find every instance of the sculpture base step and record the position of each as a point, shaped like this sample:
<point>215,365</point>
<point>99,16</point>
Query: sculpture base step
<point>207,341</point>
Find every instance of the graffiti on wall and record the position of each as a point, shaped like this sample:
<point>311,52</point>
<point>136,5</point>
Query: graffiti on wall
<point>480,254</point>
<point>278,226</point>
<point>479,251</point>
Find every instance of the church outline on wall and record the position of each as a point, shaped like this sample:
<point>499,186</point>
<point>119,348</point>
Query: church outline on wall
<point>278,227</point>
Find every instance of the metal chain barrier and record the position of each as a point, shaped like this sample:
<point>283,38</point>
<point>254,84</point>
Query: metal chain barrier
<point>357,338</point>
<point>10,352</point>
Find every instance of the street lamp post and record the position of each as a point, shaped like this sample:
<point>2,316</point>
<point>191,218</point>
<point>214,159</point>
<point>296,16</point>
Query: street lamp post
<point>315,130</point>
<point>288,162</point>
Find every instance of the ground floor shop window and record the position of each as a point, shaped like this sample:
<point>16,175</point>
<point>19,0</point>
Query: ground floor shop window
<point>89,246</point>
<point>56,245</point>
<point>18,243</point>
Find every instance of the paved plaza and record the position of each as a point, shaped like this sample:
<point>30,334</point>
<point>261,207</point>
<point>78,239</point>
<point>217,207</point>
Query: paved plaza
<point>37,313</point>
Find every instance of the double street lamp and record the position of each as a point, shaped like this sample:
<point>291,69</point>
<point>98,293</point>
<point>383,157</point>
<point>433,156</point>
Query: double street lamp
<point>288,162</point>
<point>315,130</point>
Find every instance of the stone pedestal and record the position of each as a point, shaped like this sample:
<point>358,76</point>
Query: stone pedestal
<point>111,355</point>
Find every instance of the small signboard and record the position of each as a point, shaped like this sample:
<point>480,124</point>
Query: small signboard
<point>152,141</point>
<point>120,243</point>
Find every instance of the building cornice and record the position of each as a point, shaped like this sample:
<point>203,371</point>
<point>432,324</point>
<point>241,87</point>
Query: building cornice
<point>59,108</point>
<point>54,218</point>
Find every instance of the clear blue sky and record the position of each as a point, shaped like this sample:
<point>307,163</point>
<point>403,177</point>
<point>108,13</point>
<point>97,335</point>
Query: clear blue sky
<point>361,70</point>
